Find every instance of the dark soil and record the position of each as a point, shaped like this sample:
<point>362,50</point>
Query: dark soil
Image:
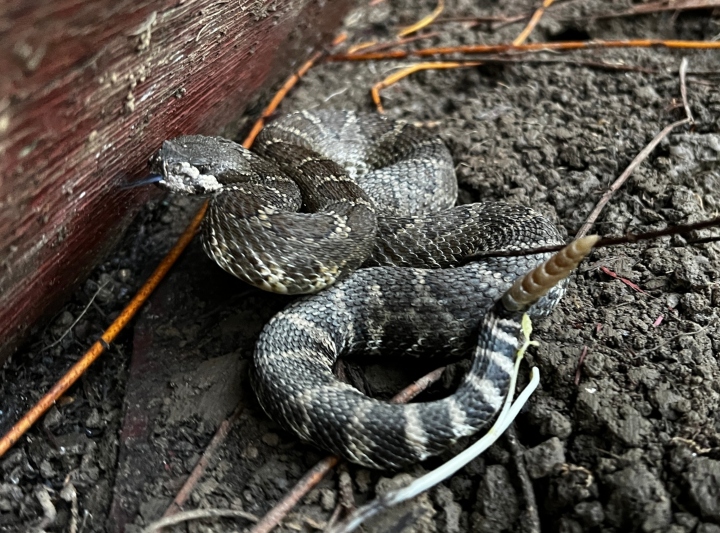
<point>626,440</point>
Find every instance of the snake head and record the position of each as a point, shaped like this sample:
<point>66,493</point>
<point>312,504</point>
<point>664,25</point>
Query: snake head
<point>184,166</point>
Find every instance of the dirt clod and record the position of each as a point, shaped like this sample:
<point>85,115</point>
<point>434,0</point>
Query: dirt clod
<point>541,459</point>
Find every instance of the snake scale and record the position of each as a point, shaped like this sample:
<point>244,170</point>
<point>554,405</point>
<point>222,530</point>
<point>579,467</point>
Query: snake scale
<point>325,192</point>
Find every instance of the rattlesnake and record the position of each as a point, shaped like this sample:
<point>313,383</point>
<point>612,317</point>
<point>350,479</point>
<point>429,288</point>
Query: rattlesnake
<point>324,193</point>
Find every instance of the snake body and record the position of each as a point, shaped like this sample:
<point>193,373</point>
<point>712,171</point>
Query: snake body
<point>324,193</point>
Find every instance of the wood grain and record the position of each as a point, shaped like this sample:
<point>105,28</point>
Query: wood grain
<point>88,92</point>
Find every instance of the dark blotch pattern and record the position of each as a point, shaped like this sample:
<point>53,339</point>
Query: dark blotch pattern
<point>325,192</point>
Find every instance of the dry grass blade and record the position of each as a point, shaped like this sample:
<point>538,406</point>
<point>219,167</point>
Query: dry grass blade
<point>423,22</point>
<point>397,76</point>
<point>522,37</point>
<point>198,514</point>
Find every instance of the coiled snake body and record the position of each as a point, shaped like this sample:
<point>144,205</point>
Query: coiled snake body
<point>326,192</point>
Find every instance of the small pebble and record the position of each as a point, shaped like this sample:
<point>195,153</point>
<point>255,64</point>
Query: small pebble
<point>328,499</point>
<point>362,480</point>
<point>541,459</point>
<point>271,439</point>
<point>251,452</point>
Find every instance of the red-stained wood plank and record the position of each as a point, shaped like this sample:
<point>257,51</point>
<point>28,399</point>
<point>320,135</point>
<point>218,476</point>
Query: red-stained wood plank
<point>88,91</point>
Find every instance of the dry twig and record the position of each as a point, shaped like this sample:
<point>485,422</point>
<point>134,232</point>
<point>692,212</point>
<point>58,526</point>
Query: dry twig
<point>198,514</point>
<point>522,37</point>
<point>644,153</point>
<point>628,238</point>
<point>373,46</point>
<point>423,22</point>
<point>532,47</point>
<point>397,76</point>
<point>301,488</point>
<point>184,493</point>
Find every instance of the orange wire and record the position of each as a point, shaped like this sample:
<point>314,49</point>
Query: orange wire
<point>77,370</point>
<point>520,39</point>
<point>394,78</point>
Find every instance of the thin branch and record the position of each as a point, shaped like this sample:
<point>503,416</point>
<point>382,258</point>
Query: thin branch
<point>301,488</point>
<point>628,238</point>
<point>425,21</point>
<point>503,60</point>
<point>184,493</point>
<point>525,33</point>
<point>82,314</point>
<point>412,390</point>
<point>377,47</point>
<point>644,153</point>
<point>532,47</point>
<point>198,514</point>
<point>626,174</point>
<point>683,89</point>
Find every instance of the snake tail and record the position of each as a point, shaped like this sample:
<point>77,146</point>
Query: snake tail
<point>529,288</point>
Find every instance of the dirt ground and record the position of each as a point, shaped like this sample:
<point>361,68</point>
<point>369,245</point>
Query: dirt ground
<point>624,438</point>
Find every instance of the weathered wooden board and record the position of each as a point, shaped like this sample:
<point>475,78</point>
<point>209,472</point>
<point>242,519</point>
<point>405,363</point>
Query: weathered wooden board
<point>88,90</point>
